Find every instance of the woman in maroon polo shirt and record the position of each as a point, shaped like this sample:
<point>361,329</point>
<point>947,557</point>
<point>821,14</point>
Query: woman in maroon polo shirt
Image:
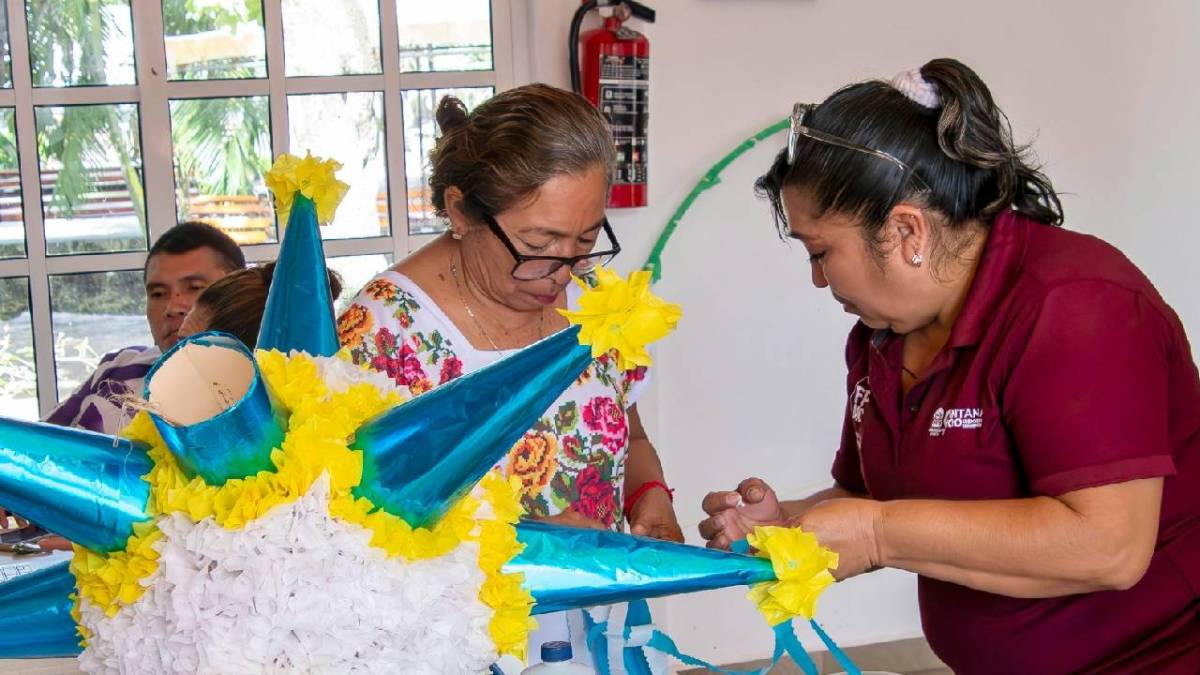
<point>1023,419</point>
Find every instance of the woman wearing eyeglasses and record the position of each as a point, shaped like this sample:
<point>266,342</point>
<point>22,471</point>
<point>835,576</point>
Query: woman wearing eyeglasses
<point>523,182</point>
<point>1022,427</point>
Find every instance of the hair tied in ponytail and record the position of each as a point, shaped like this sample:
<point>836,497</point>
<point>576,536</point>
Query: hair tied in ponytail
<point>451,114</point>
<point>917,89</point>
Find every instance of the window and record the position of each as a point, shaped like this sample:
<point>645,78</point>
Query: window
<point>120,118</point>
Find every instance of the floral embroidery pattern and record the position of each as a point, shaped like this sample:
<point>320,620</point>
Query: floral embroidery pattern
<point>597,497</point>
<point>381,289</point>
<point>605,417</point>
<point>534,460</point>
<point>403,357</point>
<point>400,362</point>
<point>352,325</point>
<point>573,458</point>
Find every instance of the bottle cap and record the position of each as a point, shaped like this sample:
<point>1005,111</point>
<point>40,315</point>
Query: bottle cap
<point>556,652</point>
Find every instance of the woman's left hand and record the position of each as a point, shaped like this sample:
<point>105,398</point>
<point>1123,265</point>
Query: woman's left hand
<point>848,527</point>
<point>654,516</point>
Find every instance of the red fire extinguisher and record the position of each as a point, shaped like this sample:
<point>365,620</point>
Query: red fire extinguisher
<point>615,77</point>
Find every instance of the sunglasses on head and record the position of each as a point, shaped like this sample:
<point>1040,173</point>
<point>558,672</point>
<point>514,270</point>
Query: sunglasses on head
<point>798,129</point>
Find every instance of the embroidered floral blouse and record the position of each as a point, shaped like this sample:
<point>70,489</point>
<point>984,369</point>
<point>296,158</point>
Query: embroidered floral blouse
<point>574,456</point>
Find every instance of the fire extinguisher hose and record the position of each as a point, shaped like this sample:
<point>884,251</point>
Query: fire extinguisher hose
<point>573,43</point>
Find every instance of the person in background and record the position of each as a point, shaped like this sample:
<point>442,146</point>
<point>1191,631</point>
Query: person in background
<point>235,304</point>
<point>184,261</point>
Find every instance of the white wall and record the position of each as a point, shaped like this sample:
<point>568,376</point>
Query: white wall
<point>753,381</point>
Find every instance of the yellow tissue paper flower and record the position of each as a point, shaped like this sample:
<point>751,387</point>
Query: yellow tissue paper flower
<point>511,603</point>
<point>622,315</point>
<point>511,622</point>
<point>801,570</point>
<point>312,177</point>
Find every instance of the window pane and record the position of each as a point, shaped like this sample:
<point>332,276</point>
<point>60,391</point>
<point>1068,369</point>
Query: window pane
<point>18,376</point>
<point>12,225</point>
<point>93,314</point>
<point>5,53</point>
<point>420,132</point>
<point>356,271</point>
<point>90,160</point>
<point>445,35</point>
<point>214,40</point>
<point>348,128</point>
<point>222,150</point>
<point>331,37</point>
<point>80,42</point>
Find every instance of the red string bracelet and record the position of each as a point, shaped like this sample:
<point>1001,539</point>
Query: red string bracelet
<point>632,499</point>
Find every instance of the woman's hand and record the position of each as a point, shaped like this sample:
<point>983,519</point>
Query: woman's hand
<point>654,516</point>
<point>733,515</point>
<point>573,518</point>
<point>848,527</point>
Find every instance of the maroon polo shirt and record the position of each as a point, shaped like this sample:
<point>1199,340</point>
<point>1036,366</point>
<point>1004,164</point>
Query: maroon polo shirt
<point>1065,370</point>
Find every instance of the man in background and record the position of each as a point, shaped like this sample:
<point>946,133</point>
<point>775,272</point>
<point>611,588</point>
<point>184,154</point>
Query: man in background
<point>180,265</point>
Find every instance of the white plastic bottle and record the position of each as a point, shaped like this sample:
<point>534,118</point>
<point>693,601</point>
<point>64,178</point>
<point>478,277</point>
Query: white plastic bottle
<point>556,660</point>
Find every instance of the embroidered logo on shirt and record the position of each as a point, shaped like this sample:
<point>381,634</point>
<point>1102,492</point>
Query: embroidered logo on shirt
<point>955,418</point>
<point>858,405</point>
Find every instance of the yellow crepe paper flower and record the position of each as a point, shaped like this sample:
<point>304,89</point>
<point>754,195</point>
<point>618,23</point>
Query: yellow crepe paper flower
<point>511,603</point>
<point>622,315</point>
<point>801,570</point>
<point>312,177</point>
<point>319,429</point>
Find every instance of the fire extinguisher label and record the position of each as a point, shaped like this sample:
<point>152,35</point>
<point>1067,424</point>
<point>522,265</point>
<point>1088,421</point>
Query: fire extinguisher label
<point>625,103</point>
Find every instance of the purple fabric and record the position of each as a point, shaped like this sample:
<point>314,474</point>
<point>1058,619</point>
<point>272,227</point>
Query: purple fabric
<point>96,404</point>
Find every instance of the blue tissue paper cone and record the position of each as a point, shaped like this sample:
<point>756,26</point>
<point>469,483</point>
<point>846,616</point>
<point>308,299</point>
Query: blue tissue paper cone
<point>299,312</point>
<point>235,443</point>
<point>35,615</point>
<point>83,485</point>
<point>569,567</point>
<point>420,457</point>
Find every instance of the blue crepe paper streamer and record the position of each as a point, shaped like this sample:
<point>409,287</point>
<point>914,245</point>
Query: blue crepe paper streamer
<point>786,643</point>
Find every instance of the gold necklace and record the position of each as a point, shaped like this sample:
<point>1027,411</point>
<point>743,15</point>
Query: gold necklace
<point>462,296</point>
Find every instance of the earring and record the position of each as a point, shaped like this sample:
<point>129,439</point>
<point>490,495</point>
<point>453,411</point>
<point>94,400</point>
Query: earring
<point>456,236</point>
<point>917,259</point>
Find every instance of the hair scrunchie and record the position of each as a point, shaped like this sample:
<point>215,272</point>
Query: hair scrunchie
<point>917,89</point>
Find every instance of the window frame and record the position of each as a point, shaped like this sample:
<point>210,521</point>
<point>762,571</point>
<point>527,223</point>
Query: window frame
<point>153,93</point>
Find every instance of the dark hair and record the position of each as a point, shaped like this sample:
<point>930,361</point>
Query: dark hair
<point>193,234</point>
<point>962,150</point>
<point>512,144</point>
<point>235,303</point>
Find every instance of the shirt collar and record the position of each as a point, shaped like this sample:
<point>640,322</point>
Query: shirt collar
<point>998,268</point>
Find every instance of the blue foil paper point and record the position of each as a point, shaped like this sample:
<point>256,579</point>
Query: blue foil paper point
<point>83,485</point>
<point>35,615</point>
<point>233,443</point>
<point>299,312</point>
<point>420,457</point>
<point>569,567</point>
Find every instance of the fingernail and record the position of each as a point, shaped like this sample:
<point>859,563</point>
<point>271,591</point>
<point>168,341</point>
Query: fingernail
<point>754,494</point>
<point>732,499</point>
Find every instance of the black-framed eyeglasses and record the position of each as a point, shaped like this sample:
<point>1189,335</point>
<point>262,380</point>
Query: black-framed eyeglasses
<point>531,267</point>
<point>800,113</point>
